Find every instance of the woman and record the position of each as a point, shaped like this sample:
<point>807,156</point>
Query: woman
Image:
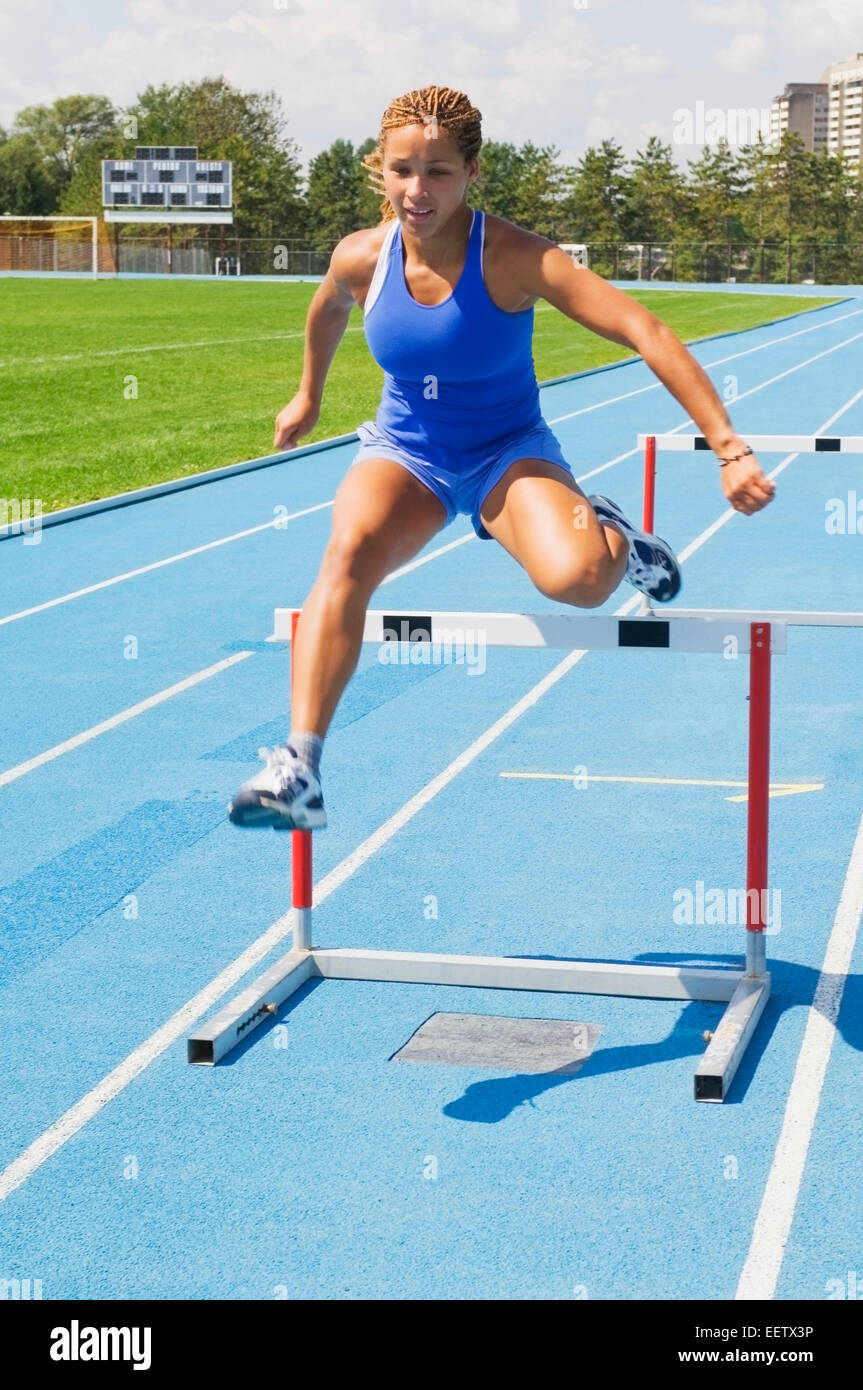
<point>448,296</point>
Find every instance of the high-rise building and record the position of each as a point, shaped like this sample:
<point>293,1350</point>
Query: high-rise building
<point>845,85</point>
<point>802,107</point>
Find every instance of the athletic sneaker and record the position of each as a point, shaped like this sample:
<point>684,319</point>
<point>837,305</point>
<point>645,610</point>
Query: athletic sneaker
<point>652,565</point>
<point>285,794</point>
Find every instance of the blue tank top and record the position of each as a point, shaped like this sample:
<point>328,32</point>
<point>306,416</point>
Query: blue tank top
<point>458,376</point>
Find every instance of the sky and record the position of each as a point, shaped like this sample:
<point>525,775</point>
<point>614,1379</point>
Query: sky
<point>567,73</point>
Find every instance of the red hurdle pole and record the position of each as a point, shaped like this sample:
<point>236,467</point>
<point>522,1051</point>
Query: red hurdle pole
<point>649,483</point>
<point>301,850</point>
<point>759,792</point>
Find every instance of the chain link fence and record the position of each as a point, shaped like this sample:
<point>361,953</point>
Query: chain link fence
<point>219,255</point>
<point>215,253</point>
<point>707,262</point>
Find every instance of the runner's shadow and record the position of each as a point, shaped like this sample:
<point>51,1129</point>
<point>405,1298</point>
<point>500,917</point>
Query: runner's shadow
<point>792,986</point>
<point>490,1101</point>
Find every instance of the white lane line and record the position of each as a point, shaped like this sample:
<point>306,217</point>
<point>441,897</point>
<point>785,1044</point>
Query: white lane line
<point>760,1273</point>
<point>78,1115</point>
<point>241,535</point>
<point>58,1134</point>
<point>59,749</point>
<point>13,773</point>
<point>154,347</point>
<point>106,1090</point>
<point>279,521</point>
<point>211,545</point>
<point>742,397</point>
<point>780,468</point>
<point>53,1138</point>
<point>719,362</point>
<point>278,337</point>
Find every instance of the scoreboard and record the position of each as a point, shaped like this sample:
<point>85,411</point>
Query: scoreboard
<point>167,183</point>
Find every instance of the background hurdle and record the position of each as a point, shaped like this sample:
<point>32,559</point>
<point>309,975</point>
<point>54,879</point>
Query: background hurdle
<point>760,443</point>
<point>744,991</point>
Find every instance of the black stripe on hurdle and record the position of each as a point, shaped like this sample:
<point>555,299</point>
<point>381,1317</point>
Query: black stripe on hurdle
<point>406,627</point>
<point>701,442</point>
<point>643,633</point>
<point>828,446</point>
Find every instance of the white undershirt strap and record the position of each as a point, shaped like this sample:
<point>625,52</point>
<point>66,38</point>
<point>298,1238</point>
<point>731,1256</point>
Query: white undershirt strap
<point>381,268</point>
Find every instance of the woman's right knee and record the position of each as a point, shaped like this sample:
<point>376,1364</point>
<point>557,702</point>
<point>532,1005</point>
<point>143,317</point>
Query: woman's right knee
<point>356,558</point>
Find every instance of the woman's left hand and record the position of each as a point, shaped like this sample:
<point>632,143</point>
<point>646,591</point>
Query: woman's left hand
<point>746,485</point>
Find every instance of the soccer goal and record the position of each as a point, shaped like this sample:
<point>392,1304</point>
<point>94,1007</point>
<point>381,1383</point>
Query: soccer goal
<point>46,244</point>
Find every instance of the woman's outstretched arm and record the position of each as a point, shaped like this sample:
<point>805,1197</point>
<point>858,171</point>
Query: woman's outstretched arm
<point>546,271</point>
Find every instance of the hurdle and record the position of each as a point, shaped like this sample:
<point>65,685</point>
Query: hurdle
<point>759,443</point>
<point>744,991</point>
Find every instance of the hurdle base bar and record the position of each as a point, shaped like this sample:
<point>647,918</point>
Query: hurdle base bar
<point>260,1001</point>
<point>251,1008</point>
<point>716,1070</point>
<point>744,993</point>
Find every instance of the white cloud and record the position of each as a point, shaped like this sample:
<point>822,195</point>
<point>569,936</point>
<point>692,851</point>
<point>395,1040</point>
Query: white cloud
<point>743,54</point>
<point>634,59</point>
<point>736,14</point>
<point>844,17</point>
<point>540,70</point>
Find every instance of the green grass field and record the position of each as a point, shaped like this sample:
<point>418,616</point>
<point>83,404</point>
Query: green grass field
<point>213,364</point>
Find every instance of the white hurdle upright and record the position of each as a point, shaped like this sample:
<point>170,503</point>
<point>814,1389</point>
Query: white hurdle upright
<point>745,991</point>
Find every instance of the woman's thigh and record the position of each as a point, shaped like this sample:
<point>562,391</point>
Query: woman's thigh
<point>540,515</point>
<point>384,514</point>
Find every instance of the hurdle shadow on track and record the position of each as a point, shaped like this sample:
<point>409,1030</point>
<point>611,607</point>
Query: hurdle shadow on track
<point>492,1100</point>
<point>793,986</point>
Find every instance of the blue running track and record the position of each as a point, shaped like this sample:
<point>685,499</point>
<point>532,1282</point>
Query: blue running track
<point>309,1162</point>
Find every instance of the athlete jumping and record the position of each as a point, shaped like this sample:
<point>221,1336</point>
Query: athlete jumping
<point>447,293</point>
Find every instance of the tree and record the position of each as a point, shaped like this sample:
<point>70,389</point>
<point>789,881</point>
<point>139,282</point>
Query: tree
<point>334,195</point>
<point>245,127</point>
<point>756,168</point>
<point>26,187</point>
<point>597,206</point>
<point>715,191</point>
<point>65,130</point>
<point>538,190</point>
<point>656,194</point>
<point>712,220</point>
<point>496,189</point>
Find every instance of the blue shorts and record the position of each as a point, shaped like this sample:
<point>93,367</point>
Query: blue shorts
<point>463,491</point>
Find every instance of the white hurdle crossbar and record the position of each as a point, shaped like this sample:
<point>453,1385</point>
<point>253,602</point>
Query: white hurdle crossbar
<point>765,443</point>
<point>745,991</point>
<point>759,443</point>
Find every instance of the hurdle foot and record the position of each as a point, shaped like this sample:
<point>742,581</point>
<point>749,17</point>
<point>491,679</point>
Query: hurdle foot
<point>727,1044</point>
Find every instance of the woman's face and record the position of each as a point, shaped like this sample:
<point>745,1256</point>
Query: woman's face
<point>425,178</point>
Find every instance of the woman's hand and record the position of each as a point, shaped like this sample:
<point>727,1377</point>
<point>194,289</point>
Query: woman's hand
<point>746,486</point>
<point>298,418</point>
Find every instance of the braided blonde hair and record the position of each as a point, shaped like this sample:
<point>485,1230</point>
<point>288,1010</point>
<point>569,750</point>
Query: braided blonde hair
<point>451,114</point>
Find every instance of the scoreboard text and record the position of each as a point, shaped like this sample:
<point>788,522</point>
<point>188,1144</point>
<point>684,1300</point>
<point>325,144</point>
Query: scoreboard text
<point>166,176</point>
